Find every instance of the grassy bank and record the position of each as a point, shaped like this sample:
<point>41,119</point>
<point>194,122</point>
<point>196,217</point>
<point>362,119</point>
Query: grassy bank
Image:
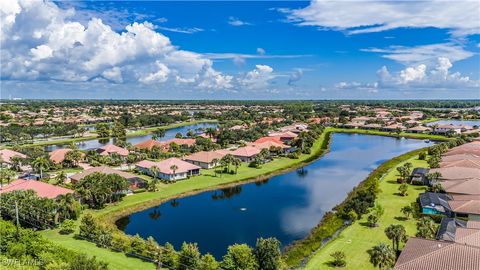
<point>332,222</point>
<point>356,239</point>
<point>140,132</point>
<point>420,136</point>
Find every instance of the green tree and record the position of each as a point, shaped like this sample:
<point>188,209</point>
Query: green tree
<point>174,169</point>
<point>103,130</point>
<point>426,228</point>
<point>7,175</point>
<point>82,262</point>
<point>239,257</point>
<point>375,214</point>
<point>153,184</point>
<point>158,134</point>
<point>397,234</point>
<point>338,259</point>
<point>169,257</point>
<point>208,262</point>
<point>403,189</point>
<point>41,164</point>
<point>189,258</point>
<point>236,162</point>
<point>88,227</point>
<point>382,255</point>
<point>118,130</point>
<point>73,157</point>
<point>268,254</point>
<point>407,211</point>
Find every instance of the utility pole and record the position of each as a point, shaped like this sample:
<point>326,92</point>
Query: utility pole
<point>18,222</point>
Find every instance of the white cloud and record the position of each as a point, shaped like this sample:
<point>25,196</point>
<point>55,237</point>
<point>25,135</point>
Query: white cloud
<point>41,41</point>
<point>295,76</point>
<point>423,53</point>
<point>237,22</point>
<point>261,51</point>
<point>356,17</point>
<point>180,30</point>
<point>257,78</point>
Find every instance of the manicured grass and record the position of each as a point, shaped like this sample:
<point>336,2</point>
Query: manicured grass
<point>356,239</point>
<point>115,260</point>
<point>420,136</point>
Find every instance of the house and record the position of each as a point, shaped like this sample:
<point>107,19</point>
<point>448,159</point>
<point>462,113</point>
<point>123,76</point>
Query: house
<point>463,150</point>
<point>271,144</point>
<point>462,187</point>
<point>169,169</point>
<point>269,139</point>
<point>447,129</point>
<point>180,142</point>
<point>284,136</point>
<point>419,175</point>
<point>458,157</point>
<point>423,254</point>
<point>434,203</point>
<point>6,156</point>
<point>43,190</point>
<point>456,173</point>
<point>372,126</point>
<point>465,163</point>
<point>448,227</point>
<point>134,181</point>
<point>394,127</point>
<point>352,125</point>
<point>470,208</point>
<point>149,144</point>
<point>58,156</point>
<point>246,153</point>
<point>205,159</point>
<point>419,129</point>
<point>111,149</point>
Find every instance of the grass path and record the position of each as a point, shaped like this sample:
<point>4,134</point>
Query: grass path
<point>356,239</point>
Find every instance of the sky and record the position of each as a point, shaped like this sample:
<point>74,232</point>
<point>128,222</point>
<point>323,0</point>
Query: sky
<point>240,50</point>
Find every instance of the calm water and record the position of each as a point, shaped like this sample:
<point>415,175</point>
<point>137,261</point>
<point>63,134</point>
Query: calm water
<point>286,206</point>
<point>169,134</point>
<point>456,122</point>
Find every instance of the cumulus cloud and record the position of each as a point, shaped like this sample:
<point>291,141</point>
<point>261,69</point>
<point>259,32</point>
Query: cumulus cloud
<point>424,53</point>
<point>257,78</point>
<point>41,41</point>
<point>355,17</point>
<point>237,22</point>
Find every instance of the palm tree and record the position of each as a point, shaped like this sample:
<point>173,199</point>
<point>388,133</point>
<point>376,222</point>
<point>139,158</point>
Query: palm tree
<point>174,168</point>
<point>7,174</point>
<point>397,234</point>
<point>426,228</point>
<point>68,207</point>
<point>215,162</point>
<point>155,170</point>
<point>41,164</point>
<point>382,255</point>
<point>16,163</point>
<point>159,133</point>
<point>236,162</point>
<point>211,132</point>
<point>60,178</point>
<point>226,161</point>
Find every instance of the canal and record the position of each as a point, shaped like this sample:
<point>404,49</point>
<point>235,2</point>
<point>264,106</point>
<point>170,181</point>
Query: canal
<point>286,206</point>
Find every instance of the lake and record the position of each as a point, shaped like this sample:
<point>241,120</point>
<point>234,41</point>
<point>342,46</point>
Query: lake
<point>455,122</point>
<point>286,206</point>
<point>169,134</point>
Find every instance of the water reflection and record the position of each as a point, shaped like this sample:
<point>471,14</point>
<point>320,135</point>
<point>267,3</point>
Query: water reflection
<point>287,206</point>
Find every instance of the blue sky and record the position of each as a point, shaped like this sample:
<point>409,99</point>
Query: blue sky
<point>240,50</point>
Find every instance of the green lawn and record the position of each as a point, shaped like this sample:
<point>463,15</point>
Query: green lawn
<point>115,260</point>
<point>356,239</point>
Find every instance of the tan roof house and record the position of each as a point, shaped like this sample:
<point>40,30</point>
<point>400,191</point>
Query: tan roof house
<point>6,155</point>
<point>111,148</point>
<point>205,159</point>
<point>246,153</point>
<point>169,169</point>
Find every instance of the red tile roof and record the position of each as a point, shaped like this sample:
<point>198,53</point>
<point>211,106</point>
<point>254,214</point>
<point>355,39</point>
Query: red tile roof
<point>6,155</point>
<point>111,148</point>
<point>178,141</point>
<point>58,156</point>
<point>246,151</point>
<point>269,139</point>
<point>149,144</point>
<point>42,189</point>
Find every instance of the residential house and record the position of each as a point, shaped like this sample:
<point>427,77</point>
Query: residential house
<point>448,227</point>
<point>111,149</point>
<point>423,254</point>
<point>394,127</point>
<point>458,157</point>
<point>447,129</point>
<point>149,144</point>
<point>419,129</point>
<point>419,175</point>
<point>169,169</point>
<point>246,153</point>
<point>462,187</point>
<point>435,203</point>
<point>470,208</point>
<point>284,136</point>
<point>465,163</point>
<point>6,156</point>
<point>205,159</point>
<point>43,190</point>
<point>134,181</point>
<point>456,173</point>
<point>58,156</point>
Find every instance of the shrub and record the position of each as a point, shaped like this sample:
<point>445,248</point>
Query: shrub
<point>67,227</point>
<point>338,259</point>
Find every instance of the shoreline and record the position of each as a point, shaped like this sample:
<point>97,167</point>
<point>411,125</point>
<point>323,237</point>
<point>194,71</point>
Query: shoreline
<point>136,133</point>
